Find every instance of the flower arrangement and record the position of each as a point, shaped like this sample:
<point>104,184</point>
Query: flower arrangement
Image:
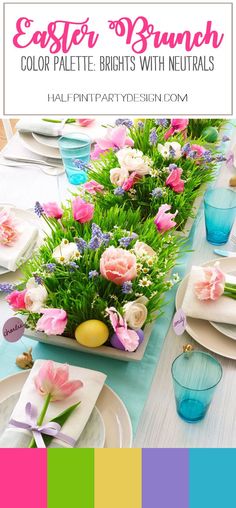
<point>160,167</point>
<point>98,277</point>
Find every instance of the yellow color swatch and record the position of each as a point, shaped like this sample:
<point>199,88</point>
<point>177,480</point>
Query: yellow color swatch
<point>118,478</point>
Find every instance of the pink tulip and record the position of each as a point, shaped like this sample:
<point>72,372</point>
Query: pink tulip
<point>52,209</point>
<point>85,122</point>
<point>198,149</point>
<point>130,182</point>
<point>177,125</point>
<point>118,265</point>
<point>129,339</point>
<point>115,137</point>
<point>54,381</point>
<point>16,299</point>
<point>8,227</point>
<point>164,220</point>
<point>174,180</point>
<point>82,211</point>
<point>53,321</point>
<point>212,285</point>
<point>93,187</point>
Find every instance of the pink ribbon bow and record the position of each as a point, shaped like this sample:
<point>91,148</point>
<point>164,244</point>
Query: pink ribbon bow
<point>49,429</point>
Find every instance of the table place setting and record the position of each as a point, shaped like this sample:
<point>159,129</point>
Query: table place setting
<point>102,257</point>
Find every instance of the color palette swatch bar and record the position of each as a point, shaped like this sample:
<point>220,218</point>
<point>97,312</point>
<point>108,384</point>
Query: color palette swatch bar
<point>117,478</point>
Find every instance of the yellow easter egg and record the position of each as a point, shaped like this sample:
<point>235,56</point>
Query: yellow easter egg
<point>92,333</point>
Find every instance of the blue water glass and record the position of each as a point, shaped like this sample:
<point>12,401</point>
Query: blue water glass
<point>75,151</point>
<point>195,376</point>
<point>220,213</point>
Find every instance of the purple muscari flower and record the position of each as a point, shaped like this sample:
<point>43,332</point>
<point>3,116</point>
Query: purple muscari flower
<point>94,243</point>
<point>106,238</point>
<point>172,152</point>
<point>50,267</point>
<point>192,154</point>
<point>186,149</point>
<point>126,240</point>
<point>118,191</point>
<point>93,273</point>
<point>153,137</point>
<point>81,244</point>
<point>79,164</point>
<point>73,266</point>
<point>172,166</point>
<point>225,138</point>
<point>38,279</point>
<point>220,158</point>
<point>157,192</point>
<point>140,125</point>
<point>207,156</point>
<point>38,209</point>
<point>126,288</point>
<point>7,288</point>
<point>162,121</point>
<point>124,121</point>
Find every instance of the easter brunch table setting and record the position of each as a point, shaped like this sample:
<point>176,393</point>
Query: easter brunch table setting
<point>118,283</point>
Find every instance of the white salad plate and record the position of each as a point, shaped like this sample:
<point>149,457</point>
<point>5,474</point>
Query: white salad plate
<point>201,330</point>
<point>227,330</point>
<point>51,141</point>
<point>112,411</point>
<point>27,216</point>
<point>31,144</point>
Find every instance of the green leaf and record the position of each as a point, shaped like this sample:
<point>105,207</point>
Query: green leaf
<point>61,419</point>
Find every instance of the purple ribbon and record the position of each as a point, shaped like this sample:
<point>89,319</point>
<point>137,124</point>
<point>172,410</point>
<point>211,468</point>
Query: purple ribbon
<point>50,428</point>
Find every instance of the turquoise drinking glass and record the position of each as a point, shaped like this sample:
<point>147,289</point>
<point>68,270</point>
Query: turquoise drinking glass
<point>75,151</point>
<point>220,213</point>
<point>195,377</point>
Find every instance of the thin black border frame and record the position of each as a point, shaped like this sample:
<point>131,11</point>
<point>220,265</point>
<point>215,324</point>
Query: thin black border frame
<point>122,3</point>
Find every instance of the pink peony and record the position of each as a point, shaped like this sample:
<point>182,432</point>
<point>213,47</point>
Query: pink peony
<point>8,227</point>
<point>164,220</point>
<point>176,125</point>
<point>212,285</point>
<point>85,122</point>
<point>82,211</point>
<point>131,181</point>
<point>16,299</point>
<point>54,381</point>
<point>93,187</point>
<point>52,209</point>
<point>53,321</point>
<point>118,265</point>
<point>174,180</point>
<point>115,137</point>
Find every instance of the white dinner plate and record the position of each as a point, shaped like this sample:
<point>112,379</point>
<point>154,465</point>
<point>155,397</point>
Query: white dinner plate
<point>93,435</point>
<point>31,144</point>
<point>118,428</point>
<point>27,216</point>
<point>202,331</point>
<point>46,140</point>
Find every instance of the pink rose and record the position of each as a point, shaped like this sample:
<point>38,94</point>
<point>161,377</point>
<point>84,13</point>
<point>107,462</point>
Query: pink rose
<point>212,285</point>
<point>176,125</point>
<point>82,211</point>
<point>163,220</point>
<point>174,180</point>
<point>85,122</point>
<point>53,321</point>
<point>16,299</point>
<point>8,227</point>
<point>93,187</point>
<point>118,265</point>
<point>130,182</point>
<point>115,137</point>
<point>52,209</point>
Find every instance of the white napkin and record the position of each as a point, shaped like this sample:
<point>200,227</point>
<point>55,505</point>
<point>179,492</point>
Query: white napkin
<point>93,384</point>
<point>11,256</point>
<point>31,124</point>
<point>222,310</point>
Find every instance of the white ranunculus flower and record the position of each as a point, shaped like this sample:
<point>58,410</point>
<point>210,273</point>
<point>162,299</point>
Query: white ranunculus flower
<point>118,176</point>
<point>35,296</point>
<point>66,252</point>
<point>143,249</point>
<point>135,313</point>
<point>134,161</point>
<point>167,147</point>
